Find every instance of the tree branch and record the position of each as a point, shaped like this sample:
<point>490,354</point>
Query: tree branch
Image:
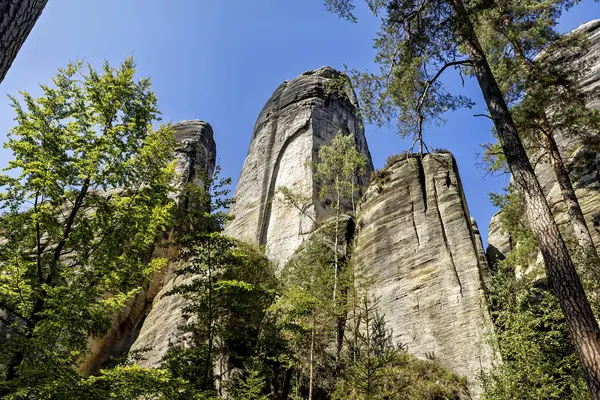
<point>15,313</point>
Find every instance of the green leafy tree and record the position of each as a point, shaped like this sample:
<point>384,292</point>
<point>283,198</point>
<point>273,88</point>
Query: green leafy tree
<point>228,285</point>
<point>538,357</point>
<point>81,209</point>
<point>338,168</point>
<point>253,385</point>
<point>417,43</point>
<point>304,316</point>
<point>372,352</point>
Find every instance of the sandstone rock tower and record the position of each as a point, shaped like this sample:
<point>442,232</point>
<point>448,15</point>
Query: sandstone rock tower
<point>424,254</point>
<point>151,320</point>
<point>583,162</point>
<point>302,115</point>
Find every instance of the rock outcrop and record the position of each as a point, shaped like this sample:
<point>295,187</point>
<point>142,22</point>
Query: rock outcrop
<point>417,240</point>
<point>302,115</point>
<point>583,162</point>
<point>151,319</point>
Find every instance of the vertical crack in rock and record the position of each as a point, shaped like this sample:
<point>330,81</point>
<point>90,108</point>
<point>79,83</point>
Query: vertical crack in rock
<point>298,118</point>
<point>266,217</point>
<point>419,286</point>
<point>445,237</point>
<point>476,242</point>
<point>412,215</point>
<point>268,179</point>
<point>422,180</point>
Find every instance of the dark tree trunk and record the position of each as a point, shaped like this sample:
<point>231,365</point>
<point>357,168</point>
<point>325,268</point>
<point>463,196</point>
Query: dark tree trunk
<point>580,229</point>
<point>559,266</point>
<point>17,18</point>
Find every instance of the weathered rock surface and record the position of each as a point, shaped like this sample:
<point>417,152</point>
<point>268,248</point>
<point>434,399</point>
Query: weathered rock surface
<point>151,319</point>
<point>583,162</point>
<point>301,116</point>
<point>416,237</point>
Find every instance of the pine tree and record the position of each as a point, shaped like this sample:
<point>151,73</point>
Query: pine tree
<point>530,60</point>
<point>87,195</point>
<point>228,284</point>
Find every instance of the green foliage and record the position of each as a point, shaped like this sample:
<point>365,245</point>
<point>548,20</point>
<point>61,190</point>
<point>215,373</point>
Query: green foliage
<point>416,43</point>
<point>513,220</point>
<point>339,167</point>
<point>131,383</point>
<point>79,214</point>
<point>304,313</point>
<point>377,369</point>
<point>228,284</point>
<point>296,200</point>
<point>538,357</point>
<point>252,386</point>
<point>533,65</point>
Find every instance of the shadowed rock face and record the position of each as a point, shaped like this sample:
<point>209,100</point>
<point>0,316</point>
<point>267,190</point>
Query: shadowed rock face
<point>196,154</point>
<point>151,319</point>
<point>582,161</point>
<point>425,255</point>
<point>299,118</point>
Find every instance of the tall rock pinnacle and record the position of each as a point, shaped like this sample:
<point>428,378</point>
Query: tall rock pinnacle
<point>425,257</point>
<point>301,115</point>
<point>151,320</point>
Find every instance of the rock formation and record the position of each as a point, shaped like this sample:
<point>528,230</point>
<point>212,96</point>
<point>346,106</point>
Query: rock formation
<point>17,18</point>
<point>583,162</point>
<point>414,237</point>
<point>302,115</point>
<point>151,319</point>
<point>425,256</point>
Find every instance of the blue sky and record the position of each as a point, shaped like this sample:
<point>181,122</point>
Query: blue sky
<point>220,61</point>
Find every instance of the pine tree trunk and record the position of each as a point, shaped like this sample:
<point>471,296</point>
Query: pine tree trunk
<point>559,266</point>
<point>338,328</point>
<point>209,356</point>
<point>17,18</point>
<point>580,229</point>
<point>312,360</point>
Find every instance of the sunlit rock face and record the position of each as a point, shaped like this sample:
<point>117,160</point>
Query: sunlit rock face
<point>151,319</point>
<point>301,115</point>
<point>424,254</point>
<point>582,161</point>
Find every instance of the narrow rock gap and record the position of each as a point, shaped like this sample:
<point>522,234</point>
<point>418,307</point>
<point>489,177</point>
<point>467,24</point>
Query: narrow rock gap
<point>445,237</point>
<point>268,180</point>
<point>412,213</point>
<point>422,180</point>
<point>466,214</point>
<point>266,214</point>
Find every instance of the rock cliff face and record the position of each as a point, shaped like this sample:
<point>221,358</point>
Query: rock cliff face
<point>301,116</point>
<point>425,255</point>
<point>580,159</point>
<point>151,319</point>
